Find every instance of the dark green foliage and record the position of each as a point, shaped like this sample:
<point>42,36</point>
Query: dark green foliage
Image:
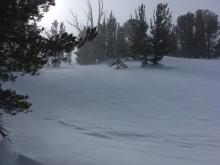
<point>197,34</point>
<point>174,49</point>
<point>57,30</point>
<point>20,40</point>
<point>121,44</point>
<point>129,27</point>
<point>161,32</point>
<point>136,29</point>
<point>212,31</point>
<point>185,31</point>
<point>200,34</point>
<point>12,103</point>
<point>111,36</point>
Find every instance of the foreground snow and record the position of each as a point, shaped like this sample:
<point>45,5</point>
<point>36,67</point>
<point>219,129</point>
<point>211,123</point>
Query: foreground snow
<point>8,155</point>
<point>95,115</point>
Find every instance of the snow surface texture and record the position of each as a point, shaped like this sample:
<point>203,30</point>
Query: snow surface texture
<point>95,115</point>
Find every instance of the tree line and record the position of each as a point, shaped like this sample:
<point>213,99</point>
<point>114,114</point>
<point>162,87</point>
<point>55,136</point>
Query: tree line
<point>194,36</point>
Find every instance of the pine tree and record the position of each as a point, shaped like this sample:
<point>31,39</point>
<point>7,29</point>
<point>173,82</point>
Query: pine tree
<point>131,36</point>
<point>121,46</point>
<point>100,43</point>
<point>57,29</point>
<point>185,31</point>
<point>200,34</point>
<point>174,42</point>
<point>137,33</point>
<point>20,46</point>
<point>111,27</point>
<point>85,54</point>
<point>62,28</point>
<point>161,32</point>
<point>212,31</point>
<point>54,28</point>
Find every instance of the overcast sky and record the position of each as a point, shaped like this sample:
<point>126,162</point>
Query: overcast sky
<point>123,8</point>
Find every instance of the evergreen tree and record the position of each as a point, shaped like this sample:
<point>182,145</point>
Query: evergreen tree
<point>100,42</point>
<point>137,33</point>
<point>200,34</point>
<point>20,46</point>
<point>111,27</point>
<point>65,57</point>
<point>62,29</point>
<point>161,32</point>
<point>174,42</point>
<point>131,36</point>
<point>212,31</point>
<point>57,29</point>
<point>185,32</point>
<point>54,28</point>
<point>84,55</point>
<point>121,46</point>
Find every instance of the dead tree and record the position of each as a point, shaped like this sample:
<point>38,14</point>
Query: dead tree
<point>89,18</point>
<point>91,23</point>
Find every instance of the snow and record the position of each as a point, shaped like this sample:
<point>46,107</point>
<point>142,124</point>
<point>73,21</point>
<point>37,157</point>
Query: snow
<point>95,115</point>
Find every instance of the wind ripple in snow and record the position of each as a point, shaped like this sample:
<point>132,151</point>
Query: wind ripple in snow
<point>71,125</point>
<point>98,135</point>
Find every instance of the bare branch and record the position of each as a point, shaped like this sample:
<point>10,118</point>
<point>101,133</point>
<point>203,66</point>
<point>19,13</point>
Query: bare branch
<point>101,12</point>
<point>75,22</point>
<point>89,16</point>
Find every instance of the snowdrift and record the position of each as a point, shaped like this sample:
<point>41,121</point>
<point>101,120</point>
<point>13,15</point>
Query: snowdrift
<point>8,156</point>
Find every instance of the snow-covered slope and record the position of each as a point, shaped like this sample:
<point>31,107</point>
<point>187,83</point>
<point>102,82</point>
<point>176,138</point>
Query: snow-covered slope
<point>95,115</point>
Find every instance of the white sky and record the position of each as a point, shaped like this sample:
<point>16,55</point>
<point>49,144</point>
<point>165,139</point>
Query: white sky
<point>123,9</point>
